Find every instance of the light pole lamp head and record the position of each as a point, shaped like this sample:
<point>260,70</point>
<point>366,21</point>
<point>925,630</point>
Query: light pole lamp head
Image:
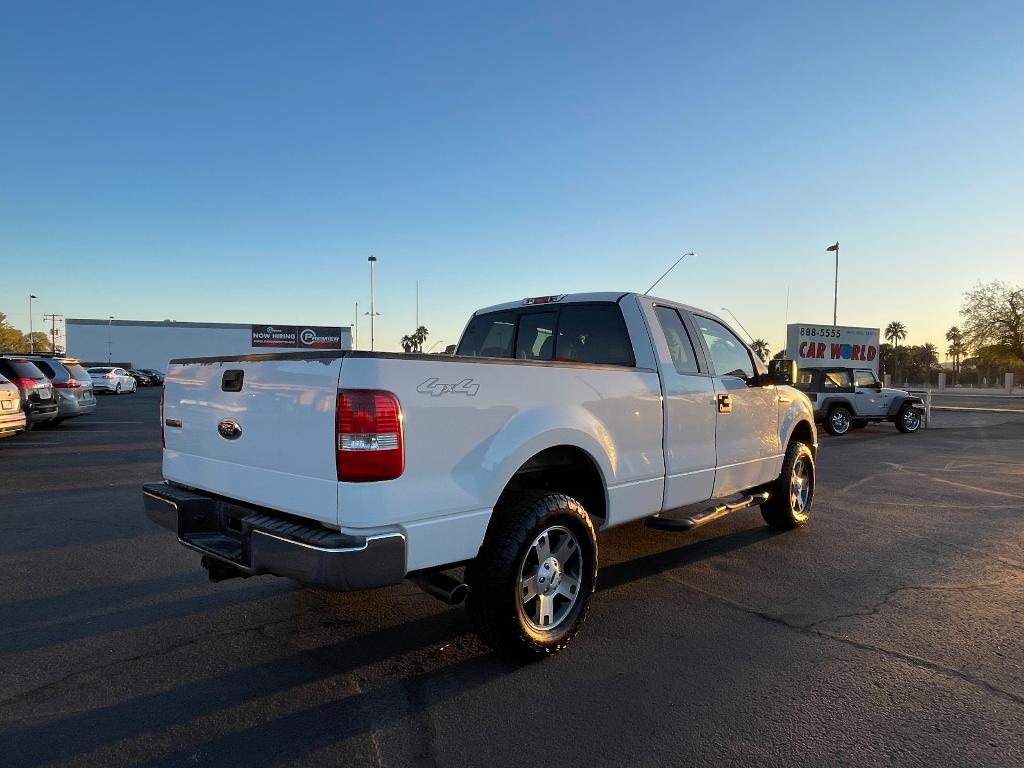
<point>372,258</point>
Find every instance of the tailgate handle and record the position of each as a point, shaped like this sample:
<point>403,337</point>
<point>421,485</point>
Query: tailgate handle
<point>232,381</point>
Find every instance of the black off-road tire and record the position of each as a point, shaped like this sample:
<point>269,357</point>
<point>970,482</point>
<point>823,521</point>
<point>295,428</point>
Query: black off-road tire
<point>495,603</point>
<point>781,511</point>
<point>838,420</point>
<point>902,418</point>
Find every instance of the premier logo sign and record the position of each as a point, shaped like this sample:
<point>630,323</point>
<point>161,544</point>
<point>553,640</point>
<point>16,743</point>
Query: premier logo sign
<point>296,337</point>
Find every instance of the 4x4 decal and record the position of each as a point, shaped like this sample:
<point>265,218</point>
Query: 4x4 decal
<point>434,388</point>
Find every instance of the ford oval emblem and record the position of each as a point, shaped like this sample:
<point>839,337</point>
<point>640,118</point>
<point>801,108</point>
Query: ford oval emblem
<point>229,429</point>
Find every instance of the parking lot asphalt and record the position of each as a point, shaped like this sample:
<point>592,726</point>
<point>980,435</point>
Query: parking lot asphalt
<point>888,631</point>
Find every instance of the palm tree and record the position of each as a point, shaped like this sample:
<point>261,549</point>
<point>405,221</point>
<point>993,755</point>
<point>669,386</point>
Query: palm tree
<point>760,347</point>
<point>420,336</point>
<point>408,343</point>
<point>895,332</point>
<point>957,350</point>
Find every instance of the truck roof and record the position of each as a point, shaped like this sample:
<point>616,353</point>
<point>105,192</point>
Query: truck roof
<point>575,298</point>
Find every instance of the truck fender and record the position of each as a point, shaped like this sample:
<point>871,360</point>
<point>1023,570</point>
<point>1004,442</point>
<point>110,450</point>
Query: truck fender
<point>798,412</point>
<point>831,400</point>
<point>899,401</point>
<point>529,432</point>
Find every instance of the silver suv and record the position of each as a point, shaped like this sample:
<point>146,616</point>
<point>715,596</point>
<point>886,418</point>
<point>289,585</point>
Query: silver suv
<point>851,398</point>
<point>71,383</point>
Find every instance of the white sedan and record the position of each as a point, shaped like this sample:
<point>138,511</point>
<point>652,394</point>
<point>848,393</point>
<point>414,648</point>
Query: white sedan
<point>116,380</point>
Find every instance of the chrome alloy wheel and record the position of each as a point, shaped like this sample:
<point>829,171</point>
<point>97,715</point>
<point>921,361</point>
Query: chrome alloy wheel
<point>911,419</point>
<point>840,421</point>
<point>549,578</point>
<point>800,485</point>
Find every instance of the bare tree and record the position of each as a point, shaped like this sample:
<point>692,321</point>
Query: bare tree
<point>994,316</point>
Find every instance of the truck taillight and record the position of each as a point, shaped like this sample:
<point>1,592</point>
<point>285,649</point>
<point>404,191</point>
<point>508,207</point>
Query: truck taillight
<point>24,383</point>
<point>368,436</point>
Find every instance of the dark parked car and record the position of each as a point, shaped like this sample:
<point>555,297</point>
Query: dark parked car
<point>72,383</point>
<point>38,400</point>
<point>140,378</point>
<point>154,376</point>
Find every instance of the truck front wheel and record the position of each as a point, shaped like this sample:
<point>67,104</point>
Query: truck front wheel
<point>789,504</point>
<point>531,583</point>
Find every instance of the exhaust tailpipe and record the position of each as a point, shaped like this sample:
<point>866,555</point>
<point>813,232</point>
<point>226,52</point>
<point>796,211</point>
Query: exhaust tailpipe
<point>448,590</point>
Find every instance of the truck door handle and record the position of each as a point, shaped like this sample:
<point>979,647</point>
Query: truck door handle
<point>784,399</point>
<point>725,403</point>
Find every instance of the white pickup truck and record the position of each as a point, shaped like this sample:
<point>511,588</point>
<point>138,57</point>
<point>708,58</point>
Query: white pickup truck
<point>557,416</point>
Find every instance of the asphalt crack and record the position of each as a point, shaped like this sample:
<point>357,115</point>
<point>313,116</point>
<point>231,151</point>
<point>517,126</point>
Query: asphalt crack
<point>873,610</point>
<point>809,629</point>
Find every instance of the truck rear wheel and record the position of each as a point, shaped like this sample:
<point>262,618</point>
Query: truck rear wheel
<point>531,583</point>
<point>838,420</point>
<point>792,493</point>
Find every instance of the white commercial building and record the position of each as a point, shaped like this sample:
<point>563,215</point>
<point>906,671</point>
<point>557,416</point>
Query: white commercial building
<point>150,344</point>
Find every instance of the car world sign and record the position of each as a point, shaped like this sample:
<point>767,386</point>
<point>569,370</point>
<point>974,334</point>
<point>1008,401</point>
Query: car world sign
<point>296,337</point>
<point>832,346</point>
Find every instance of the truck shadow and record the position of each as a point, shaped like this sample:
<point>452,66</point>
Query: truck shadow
<point>412,646</point>
<point>619,573</point>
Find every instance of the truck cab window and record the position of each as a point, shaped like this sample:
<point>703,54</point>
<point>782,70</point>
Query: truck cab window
<point>729,354</point>
<point>536,337</point>
<point>489,335</point>
<point>865,379</point>
<point>593,333</point>
<point>684,359</point>
<point>836,380</point>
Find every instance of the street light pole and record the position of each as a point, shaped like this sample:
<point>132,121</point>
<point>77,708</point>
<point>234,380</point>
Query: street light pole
<point>691,253</point>
<point>373,310</point>
<point>110,319</point>
<point>355,338</point>
<point>835,297</point>
<point>31,345</point>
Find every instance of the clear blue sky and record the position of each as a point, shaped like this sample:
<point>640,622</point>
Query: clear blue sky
<point>239,161</point>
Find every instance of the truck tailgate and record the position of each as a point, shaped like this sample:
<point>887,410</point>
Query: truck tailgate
<point>270,443</point>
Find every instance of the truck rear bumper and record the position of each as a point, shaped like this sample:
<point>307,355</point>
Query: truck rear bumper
<point>257,541</point>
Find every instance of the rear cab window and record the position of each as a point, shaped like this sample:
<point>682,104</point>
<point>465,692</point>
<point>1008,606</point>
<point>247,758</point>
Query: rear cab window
<point>573,333</point>
<point>535,337</point>
<point>489,335</point>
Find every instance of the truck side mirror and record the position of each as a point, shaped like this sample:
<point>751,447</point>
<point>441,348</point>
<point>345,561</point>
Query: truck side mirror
<point>782,371</point>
